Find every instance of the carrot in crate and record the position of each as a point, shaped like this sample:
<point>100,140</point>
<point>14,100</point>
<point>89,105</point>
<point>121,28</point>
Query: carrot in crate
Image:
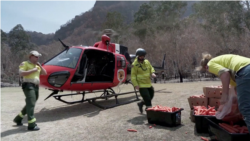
<point>234,128</point>
<point>202,110</point>
<point>164,108</point>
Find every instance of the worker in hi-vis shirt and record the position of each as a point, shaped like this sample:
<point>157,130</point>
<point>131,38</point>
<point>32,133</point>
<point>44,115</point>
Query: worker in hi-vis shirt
<point>141,72</point>
<point>234,70</point>
<point>31,71</point>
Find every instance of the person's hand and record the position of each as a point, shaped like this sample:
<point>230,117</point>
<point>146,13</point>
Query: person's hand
<point>137,87</point>
<point>34,69</point>
<point>153,75</point>
<point>38,64</point>
<point>220,108</point>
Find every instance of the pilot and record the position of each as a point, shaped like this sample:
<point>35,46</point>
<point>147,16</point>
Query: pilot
<point>30,70</point>
<point>92,68</point>
<point>141,72</point>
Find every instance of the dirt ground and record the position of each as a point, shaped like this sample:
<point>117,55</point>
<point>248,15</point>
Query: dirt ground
<point>84,121</point>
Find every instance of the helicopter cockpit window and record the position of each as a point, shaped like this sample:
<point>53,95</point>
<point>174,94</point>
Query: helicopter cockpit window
<point>67,59</point>
<point>121,62</point>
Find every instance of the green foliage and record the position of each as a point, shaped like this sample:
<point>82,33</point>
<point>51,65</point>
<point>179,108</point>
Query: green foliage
<point>223,17</point>
<point>169,9</point>
<point>145,13</point>
<point>4,37</point>
<point>114,20</point>
<point>40,38</point>
<point>158,16</point>
<point>18,40</point>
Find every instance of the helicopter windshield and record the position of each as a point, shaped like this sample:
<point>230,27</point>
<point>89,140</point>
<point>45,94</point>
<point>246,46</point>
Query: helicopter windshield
<point>67,58</point>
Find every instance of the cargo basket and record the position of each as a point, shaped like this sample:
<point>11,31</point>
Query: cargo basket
<point>169,119</point>
<point>218,133</point>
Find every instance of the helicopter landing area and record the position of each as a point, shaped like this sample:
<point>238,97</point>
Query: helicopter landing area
<point>84,121</point>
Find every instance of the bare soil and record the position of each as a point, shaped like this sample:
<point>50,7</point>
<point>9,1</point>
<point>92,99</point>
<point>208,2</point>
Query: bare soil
<point>84,121</point>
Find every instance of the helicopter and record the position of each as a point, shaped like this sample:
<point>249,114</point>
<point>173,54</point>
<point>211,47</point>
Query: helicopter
<point>89,69</point>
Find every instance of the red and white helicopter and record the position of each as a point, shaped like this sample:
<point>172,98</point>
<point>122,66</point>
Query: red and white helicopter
<point>89,69</point>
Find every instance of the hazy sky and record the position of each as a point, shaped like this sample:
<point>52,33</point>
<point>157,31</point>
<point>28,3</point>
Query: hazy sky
<point>41,16</point>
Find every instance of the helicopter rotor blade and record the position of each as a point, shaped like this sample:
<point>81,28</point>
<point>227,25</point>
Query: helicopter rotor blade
<point>66,47</point>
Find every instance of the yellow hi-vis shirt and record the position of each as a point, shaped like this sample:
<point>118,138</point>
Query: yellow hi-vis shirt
<point>33,77</point>
<point>140,73</point>
<point>228,62</point>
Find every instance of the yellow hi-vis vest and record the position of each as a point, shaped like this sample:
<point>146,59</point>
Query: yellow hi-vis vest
<point>140,73</point>
<point>33,77</point>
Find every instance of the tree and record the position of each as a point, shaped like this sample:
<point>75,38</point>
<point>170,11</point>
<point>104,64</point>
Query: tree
<point>18,39</point>
<point>145,13</point>
<point>4,37</point>
<point>142,19</point>
<point>169,13</point>
<point>222,18</point>
<point>158,16</point>
<point>4,50</point>
<point>114,20</point>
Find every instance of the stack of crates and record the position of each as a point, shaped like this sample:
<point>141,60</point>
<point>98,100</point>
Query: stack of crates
<point>213,94</point>
<point>211,97</point>
<point>196,101</point>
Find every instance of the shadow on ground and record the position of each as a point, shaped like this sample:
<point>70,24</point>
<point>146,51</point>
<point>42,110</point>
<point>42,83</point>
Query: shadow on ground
<point>140,120</point>
<point>17,130</point>
<point>81,109</point>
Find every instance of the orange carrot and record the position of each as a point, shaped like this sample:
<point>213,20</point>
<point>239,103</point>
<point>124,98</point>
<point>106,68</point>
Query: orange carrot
<point>226,128</point>
<point>205,139</point>
<point>242,130</point>
<point>132,130</point>
<point>231,127</point>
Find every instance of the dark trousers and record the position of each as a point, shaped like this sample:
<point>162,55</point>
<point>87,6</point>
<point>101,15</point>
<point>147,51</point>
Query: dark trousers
<point>31,93</point>
<point>147,94</point>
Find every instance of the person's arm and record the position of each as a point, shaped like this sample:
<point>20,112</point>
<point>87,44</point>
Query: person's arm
<point>225,80</point>
<point>152,70</point>
<point>133,77</point>
<point>235,90</point>
<point>43,71</point>
<point>24,73</point>
<point>23,69</point>
<point>224,75</point>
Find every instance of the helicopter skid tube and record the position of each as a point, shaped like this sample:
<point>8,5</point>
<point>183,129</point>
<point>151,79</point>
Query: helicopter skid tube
<point>106,107</point>
<point>106,94</point>
<point>93,100</point>
<point>58,97</point>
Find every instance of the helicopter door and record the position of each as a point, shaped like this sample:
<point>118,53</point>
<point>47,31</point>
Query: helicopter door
<point>80,74</point>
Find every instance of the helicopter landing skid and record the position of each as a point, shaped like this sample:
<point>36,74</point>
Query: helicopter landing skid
<point>106,94</point>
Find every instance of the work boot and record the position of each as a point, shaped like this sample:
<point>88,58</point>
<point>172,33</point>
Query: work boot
<point>33,127</point>
<point>140,105</point>
<point>36,128</point>
<point>148,107</point>
<point>18,120</point>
